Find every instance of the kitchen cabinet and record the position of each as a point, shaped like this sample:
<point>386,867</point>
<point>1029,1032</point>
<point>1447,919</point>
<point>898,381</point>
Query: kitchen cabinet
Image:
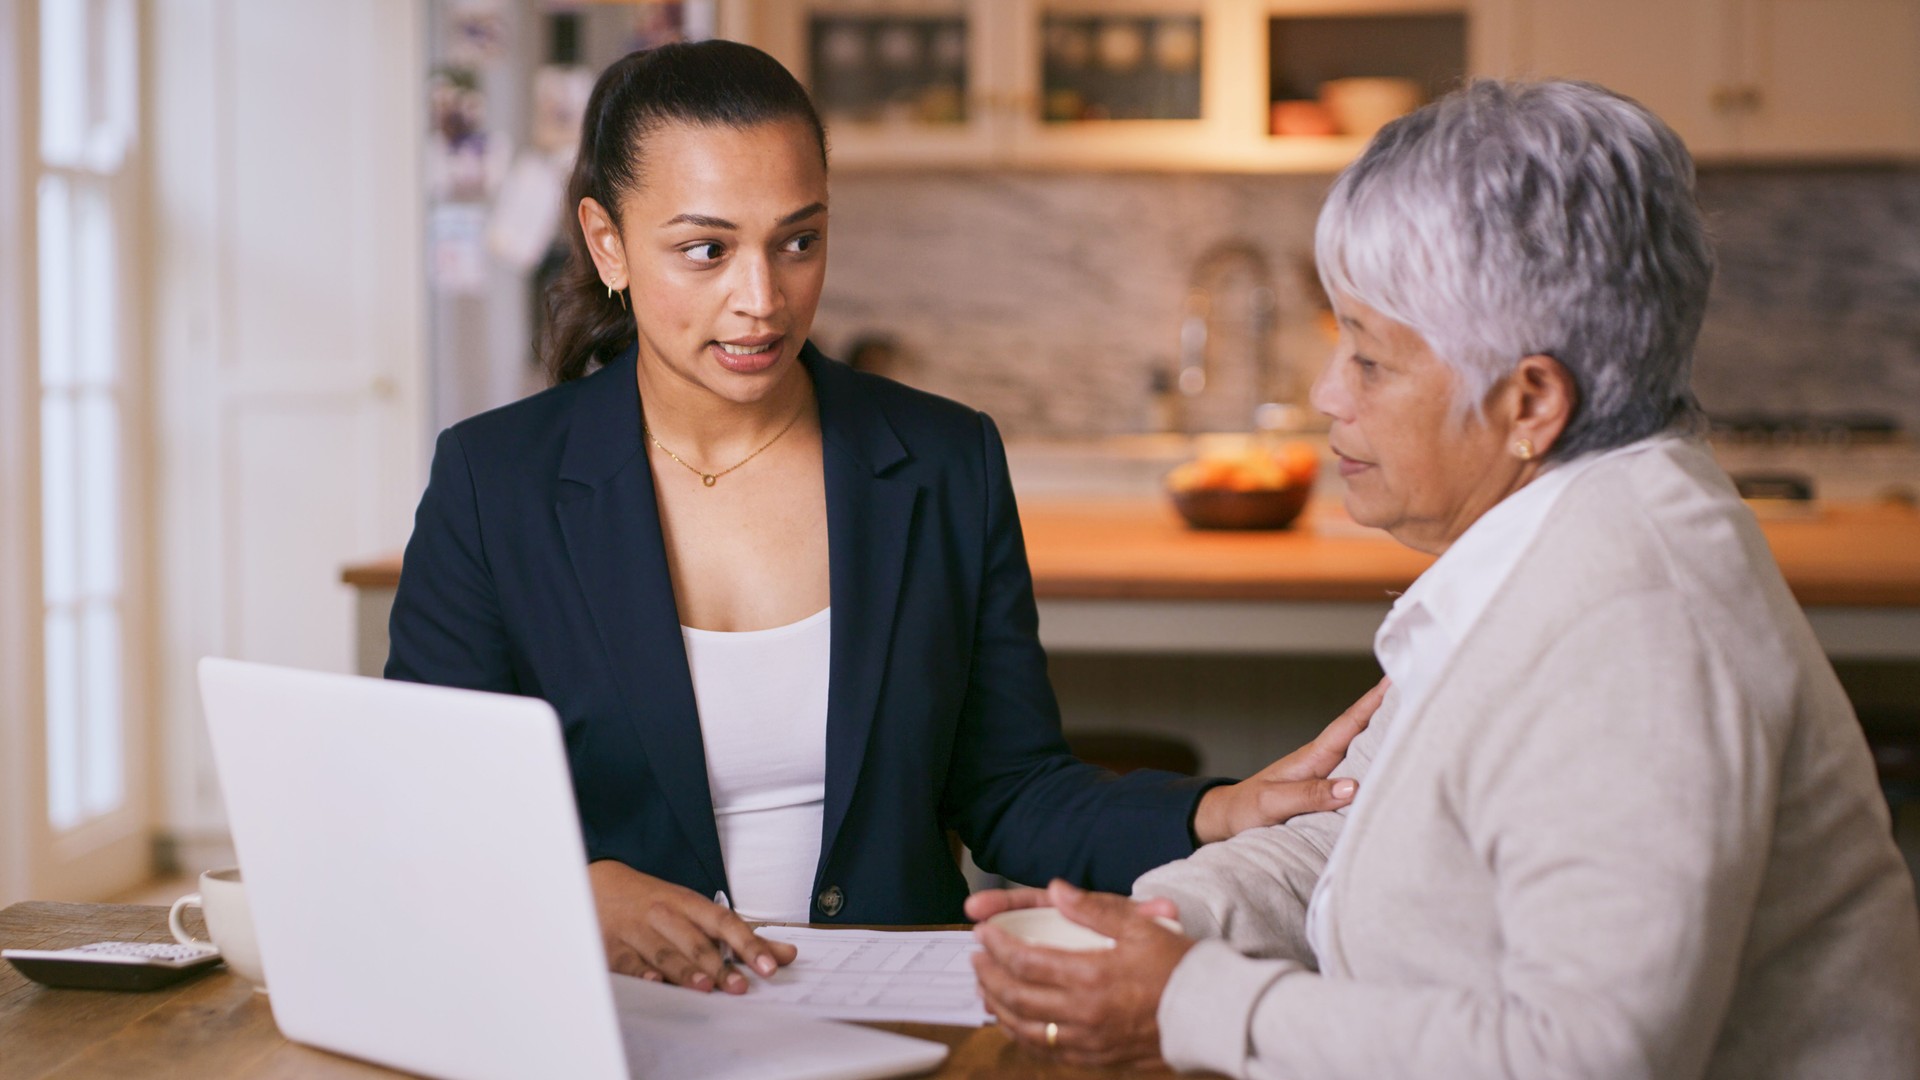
<point>1665,54</point>
<point>1432,46</point>
<point>1004,90</point>
<point>1740,79</point>
<point>1829,78</point>
<point>1131,84</point>
<point>1123,46</point>
<point>898,82</point>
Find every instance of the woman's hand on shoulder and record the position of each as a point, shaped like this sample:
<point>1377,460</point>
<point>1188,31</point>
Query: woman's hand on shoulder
<point>1296,784</point>
<point>665,932</point>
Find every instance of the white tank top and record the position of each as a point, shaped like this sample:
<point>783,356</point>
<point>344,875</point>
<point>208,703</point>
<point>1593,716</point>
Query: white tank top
<point>762,696</point>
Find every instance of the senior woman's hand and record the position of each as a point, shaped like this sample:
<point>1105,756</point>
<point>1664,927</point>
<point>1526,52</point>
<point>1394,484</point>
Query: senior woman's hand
<point>1087,1008</point>
<point>1296,784</point>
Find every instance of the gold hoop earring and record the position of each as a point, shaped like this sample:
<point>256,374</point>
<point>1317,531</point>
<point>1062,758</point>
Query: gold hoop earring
<point>1523,449</point>
<point>621,293</point>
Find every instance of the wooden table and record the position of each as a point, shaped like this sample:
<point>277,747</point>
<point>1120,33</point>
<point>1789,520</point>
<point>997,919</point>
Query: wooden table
<point>215,1026</point>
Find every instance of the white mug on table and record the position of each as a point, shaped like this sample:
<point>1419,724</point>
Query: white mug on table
<point>222,901</point>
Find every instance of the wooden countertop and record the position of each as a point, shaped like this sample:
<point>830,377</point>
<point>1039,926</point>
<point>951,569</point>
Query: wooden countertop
<point>1839,554</point>
<point>1139,549</point>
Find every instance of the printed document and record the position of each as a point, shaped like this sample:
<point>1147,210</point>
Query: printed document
<point>921,976</point>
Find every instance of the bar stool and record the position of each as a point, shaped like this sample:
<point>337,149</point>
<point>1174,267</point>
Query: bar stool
<point>1896,758</point>
<point>1897,761</point>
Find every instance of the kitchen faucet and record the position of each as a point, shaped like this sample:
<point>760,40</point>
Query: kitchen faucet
<point>1199,360</point>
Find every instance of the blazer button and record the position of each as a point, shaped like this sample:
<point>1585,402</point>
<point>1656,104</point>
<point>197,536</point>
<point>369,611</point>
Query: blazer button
<point>831,900</point>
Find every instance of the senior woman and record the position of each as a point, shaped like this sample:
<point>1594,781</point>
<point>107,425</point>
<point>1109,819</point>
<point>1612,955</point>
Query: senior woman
<point>1617,818</point>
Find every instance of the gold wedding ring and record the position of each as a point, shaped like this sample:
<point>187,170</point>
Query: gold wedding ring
<point>1053,1034</point>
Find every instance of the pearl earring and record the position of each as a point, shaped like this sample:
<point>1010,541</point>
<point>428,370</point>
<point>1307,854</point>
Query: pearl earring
<point>1523,449</point>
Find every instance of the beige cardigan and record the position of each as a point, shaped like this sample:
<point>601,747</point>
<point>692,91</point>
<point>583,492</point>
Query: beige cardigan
<point>1633,831</point>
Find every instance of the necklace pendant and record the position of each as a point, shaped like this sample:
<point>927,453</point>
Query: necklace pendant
<point>708,479</point>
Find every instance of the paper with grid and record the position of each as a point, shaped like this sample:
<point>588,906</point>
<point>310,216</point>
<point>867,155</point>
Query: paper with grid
<point>920,976</point>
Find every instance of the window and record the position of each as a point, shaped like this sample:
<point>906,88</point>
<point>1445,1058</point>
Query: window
<point>88,57</point>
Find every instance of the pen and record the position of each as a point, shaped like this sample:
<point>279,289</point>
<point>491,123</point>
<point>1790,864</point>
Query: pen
<point>726,951</point>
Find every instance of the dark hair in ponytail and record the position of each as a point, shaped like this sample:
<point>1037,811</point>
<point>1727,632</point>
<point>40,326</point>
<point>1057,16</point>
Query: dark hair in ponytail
<point>708,84</point>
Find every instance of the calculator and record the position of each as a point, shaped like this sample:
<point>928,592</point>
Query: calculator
<point>113,965</point>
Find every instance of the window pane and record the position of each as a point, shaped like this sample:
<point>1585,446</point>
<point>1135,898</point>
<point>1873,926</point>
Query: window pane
<point>87,82</point>
<point>95,333</point>
<point>89,96</point>
<point>59,498</point>
<point>102,786</point>
<point>112,82</point>
<point>63,81</point>
<point>57,244</point>
<point>99,495</point>
<point>63,718</point>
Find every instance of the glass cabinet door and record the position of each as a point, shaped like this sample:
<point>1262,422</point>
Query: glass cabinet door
<point>908,81</point>
<point>1103,82</point>
<point>1118,66</point>
<point>1127,84</point>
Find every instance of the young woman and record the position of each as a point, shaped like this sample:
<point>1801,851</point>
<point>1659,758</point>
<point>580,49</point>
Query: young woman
<point>782,608</point>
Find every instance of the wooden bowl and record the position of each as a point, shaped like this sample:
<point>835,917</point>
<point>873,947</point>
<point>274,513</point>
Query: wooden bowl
<point>1211,508</point>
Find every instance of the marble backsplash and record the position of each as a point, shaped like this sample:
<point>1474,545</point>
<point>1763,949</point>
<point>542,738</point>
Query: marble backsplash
<point>1049,299</point>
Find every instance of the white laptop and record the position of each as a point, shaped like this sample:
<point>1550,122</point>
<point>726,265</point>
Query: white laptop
<point>418,885</point>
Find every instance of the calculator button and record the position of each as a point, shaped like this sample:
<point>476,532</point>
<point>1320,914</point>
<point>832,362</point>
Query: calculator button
<point>148,950</point>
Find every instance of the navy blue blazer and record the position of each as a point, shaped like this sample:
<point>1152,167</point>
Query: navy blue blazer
<point>537,567</point>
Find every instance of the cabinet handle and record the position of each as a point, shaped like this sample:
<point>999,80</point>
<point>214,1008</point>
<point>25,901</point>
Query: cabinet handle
<point>1731,99</point>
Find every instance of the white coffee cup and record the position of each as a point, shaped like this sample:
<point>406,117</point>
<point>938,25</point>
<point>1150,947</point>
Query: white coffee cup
<point>1047,926</point>
<point>222,901</point>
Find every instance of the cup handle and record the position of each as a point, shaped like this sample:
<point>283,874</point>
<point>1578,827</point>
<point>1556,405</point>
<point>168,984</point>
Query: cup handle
<point>173,920</point>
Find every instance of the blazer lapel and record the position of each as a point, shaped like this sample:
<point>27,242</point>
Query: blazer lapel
<point>611,522</point>
<point>869,524</point>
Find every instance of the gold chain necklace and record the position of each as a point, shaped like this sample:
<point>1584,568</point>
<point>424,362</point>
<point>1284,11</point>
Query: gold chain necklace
<point>708,478</point>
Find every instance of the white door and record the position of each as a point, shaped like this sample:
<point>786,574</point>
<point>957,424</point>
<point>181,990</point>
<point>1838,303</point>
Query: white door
<point>288,298</point>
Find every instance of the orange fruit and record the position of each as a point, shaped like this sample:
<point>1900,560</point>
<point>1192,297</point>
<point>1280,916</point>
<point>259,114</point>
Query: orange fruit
<point>1252,469</point>
<point>1301,462</point>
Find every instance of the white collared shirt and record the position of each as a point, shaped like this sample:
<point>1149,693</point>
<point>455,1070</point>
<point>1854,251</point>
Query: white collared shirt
<point>1417,639</point>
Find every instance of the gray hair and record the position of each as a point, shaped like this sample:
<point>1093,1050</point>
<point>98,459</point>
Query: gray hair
<point>1513,218</point>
